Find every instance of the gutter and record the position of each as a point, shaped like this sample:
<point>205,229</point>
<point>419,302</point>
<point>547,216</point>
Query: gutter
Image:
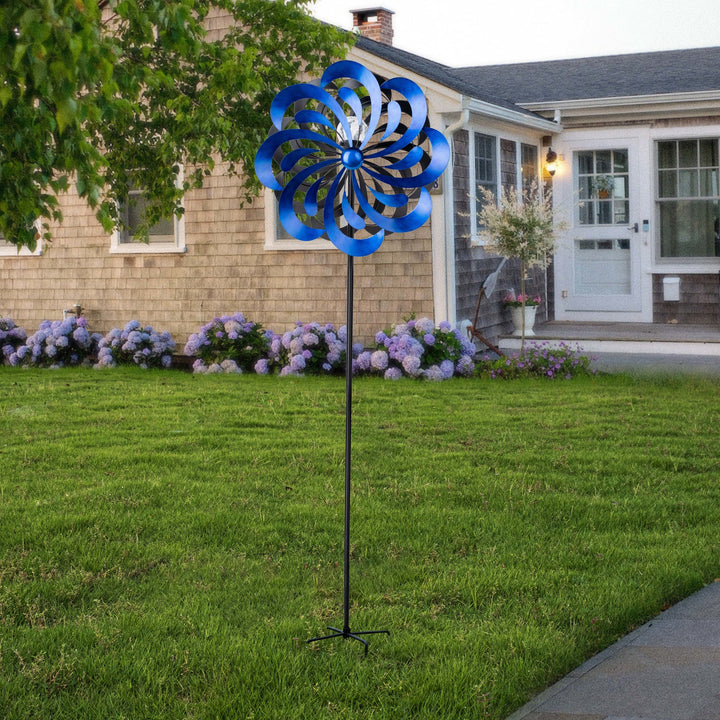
<point>625,100</point>
<point>512,116</point>
<point>448,262</point>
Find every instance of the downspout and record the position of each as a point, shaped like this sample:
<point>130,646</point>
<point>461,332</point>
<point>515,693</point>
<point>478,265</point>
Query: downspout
<point>450,310</point>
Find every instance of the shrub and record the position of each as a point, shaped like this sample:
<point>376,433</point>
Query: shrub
<point>539,360</point>
<point>137,345</point>
<point>308,349</point>
<point>11,338</point>
<point>58,343</point>
<point>228,344</point>
<point>418,349</point>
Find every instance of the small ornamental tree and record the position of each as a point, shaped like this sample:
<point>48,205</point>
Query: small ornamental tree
<point>520,226</point>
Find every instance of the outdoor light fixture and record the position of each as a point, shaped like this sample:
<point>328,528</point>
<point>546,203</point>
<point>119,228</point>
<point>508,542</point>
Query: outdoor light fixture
<point>551,162</point>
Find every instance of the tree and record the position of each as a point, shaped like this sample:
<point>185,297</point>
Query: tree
<point>520,226</point>
<point>121,93</point>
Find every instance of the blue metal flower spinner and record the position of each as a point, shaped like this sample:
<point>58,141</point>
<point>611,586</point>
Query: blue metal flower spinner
<point>350,158</point>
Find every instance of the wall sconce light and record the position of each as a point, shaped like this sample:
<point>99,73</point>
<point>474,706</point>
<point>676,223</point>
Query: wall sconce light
<point>551,162</point>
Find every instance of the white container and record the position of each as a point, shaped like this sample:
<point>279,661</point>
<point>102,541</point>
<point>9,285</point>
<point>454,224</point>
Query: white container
<point>671,289</point>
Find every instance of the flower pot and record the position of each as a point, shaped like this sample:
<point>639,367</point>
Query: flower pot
<point>516,316</point>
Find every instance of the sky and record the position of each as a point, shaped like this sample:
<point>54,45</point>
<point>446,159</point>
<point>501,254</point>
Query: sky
<point>489,32</point>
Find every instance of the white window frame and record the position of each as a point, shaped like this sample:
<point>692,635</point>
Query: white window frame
<point>275,237</point>
<point>679,265</point>
<point>121,244</point>
<point>8,249</point>
<point>475,238</point>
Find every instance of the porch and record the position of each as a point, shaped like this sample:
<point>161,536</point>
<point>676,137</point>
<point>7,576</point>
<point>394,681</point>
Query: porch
<point>628,338</point>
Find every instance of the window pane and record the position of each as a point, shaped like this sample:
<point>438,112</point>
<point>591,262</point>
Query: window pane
<point>603,161</point>
<point>162,231</point>
<point>622,212</point>
<point>668,184</point>
<point>688,183</point>
<point>484,158</point>
<point>688,228</point>
<point>667,156</point>
<point>585,188</point>
<point>604,214</point>
<point>585,163</point>
<point>708,153</point>
<point>620,190</point>
<point>687,153</point>
<point>587,213</point>
<point>529,164</point>
<point>709,182</point>
<point>620,158</point>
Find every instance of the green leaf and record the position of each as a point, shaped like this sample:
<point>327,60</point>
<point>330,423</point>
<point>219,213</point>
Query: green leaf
<point>65,114</point>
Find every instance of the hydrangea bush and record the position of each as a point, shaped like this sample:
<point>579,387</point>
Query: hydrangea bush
<point>58,343</point>
<point>11,338</point>
<point>135,345</point>
<point>539,360</point>
<point>307,349</point>
<point>228,344</point>
<point>418,349</point>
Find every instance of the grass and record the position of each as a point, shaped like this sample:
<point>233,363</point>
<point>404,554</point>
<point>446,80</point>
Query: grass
<point>168,541</point>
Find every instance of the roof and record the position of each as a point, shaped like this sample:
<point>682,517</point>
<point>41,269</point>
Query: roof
<point>436,72</point>
<point>651,73</point>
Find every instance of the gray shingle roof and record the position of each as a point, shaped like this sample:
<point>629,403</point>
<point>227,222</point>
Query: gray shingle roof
<point>436,72</point>
<point>651,73</point>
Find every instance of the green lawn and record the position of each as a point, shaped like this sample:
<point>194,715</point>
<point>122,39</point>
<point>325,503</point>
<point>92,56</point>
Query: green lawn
<point>168,541</point>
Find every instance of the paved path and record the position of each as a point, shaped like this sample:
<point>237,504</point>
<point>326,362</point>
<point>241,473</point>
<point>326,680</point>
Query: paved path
<point>668,669</point>
<point>647,363</point>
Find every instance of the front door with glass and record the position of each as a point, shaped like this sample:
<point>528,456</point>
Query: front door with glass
<point>599,272</point>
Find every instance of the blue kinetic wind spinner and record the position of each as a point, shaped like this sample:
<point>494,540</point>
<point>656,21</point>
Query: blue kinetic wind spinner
<point>350,158</point>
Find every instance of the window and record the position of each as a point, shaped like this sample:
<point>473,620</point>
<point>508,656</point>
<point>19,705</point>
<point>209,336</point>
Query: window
<point>528,165</point>
<point>166,236</point>
<point>688,198</point>
<point>485,169</point>
<point>8,249</point>
<point>278,238</point>
<point>603,187</point>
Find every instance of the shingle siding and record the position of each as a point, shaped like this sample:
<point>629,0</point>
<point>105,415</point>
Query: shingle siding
<point>225,269</point>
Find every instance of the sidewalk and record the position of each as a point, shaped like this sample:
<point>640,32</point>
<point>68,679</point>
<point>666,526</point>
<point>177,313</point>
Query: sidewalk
<point>668,669</point>
<point>656,364</point>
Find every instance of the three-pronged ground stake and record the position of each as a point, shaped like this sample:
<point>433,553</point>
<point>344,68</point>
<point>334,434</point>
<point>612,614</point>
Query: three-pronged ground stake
<point>350,158</point>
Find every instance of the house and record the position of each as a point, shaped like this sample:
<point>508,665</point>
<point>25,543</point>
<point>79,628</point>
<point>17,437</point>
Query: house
<point>647,127</point>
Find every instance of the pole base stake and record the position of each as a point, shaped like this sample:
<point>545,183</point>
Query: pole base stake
<point>346,634</point>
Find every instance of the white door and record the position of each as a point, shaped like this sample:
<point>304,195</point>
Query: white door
<point>598,266</point>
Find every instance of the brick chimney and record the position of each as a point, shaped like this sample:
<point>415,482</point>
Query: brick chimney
<point>374,23</point>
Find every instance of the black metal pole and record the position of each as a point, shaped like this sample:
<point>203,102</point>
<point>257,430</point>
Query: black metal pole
<point>348,439</point>
<point>346,632</point>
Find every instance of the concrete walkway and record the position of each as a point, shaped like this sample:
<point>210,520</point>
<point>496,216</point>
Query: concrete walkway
<point>668,669</point>
<point>656,364</point>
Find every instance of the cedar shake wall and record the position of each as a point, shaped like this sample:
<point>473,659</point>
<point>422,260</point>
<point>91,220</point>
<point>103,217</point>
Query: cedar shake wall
<point>225,269</point>
<point>474,264</point>
<point>699,300</point>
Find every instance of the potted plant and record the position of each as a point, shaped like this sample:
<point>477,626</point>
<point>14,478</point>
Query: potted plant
<point>522,312</point>
<point>603,185</point>
<point>520,226</point>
